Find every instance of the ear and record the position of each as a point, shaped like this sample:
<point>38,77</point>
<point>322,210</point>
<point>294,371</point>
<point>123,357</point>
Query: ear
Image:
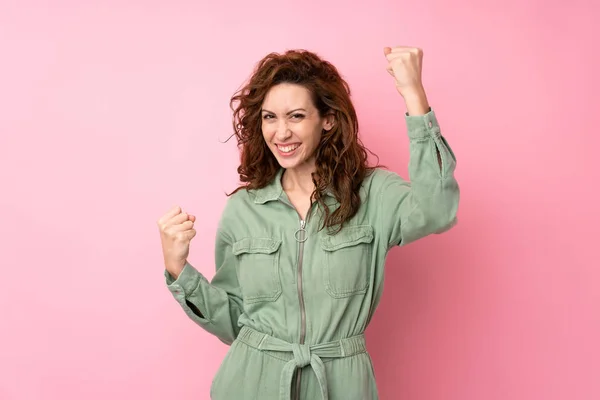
<point>329,122</point>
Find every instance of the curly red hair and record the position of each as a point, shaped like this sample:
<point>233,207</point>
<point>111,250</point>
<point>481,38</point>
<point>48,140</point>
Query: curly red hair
<point>341,158</point>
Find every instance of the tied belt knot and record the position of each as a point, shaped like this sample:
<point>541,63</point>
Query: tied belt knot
<point>304,355</point>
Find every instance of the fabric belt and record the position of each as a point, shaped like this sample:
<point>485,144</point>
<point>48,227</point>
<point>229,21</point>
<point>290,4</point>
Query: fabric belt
<point>303,355</point>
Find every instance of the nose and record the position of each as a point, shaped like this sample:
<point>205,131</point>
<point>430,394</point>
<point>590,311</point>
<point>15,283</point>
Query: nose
<point>283,133</point>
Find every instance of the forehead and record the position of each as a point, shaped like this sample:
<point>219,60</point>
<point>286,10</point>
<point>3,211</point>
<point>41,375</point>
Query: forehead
<point>287,96</point>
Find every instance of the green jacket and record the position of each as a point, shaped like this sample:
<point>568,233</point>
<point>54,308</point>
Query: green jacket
<point>290,298</point>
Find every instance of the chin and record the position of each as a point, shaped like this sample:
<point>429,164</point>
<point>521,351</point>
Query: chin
<point>300,163</point>
<point>287,164</point>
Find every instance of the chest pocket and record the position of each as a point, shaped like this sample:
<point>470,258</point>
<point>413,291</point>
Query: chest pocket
<point>258,268</point>
<point>347,264</point>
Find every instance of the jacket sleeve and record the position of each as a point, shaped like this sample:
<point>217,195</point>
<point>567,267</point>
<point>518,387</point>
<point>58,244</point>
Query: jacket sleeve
<point>429,202</point>
<point>217,305</point>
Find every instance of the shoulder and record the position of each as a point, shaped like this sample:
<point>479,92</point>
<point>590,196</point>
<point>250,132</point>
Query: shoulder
<point>236,206</point>
<point>239,203</point>
<point>242,197</point>
<point>380,178</point>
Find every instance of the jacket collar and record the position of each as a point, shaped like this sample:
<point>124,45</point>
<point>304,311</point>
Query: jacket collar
<point>274,190</point>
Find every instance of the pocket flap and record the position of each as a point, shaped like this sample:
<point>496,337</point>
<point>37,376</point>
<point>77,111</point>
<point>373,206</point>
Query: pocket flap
<point>348,236</point>
<point>256,245</point>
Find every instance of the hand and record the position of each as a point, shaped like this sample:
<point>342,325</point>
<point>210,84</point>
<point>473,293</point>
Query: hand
<point>176,232</point>
<point>405,66</point>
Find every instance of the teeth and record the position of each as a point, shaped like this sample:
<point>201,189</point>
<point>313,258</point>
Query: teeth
<point>287,149</point>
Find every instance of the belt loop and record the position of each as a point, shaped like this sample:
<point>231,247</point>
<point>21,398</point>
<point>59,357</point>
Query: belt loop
<point>342,348</point>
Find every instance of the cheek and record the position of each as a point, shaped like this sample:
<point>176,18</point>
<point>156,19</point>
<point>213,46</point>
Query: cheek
<point>315,139</point>
<point>266,133</point>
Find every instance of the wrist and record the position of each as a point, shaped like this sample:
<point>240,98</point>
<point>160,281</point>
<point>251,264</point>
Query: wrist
<point>175,268</point>
<point>416,101</point>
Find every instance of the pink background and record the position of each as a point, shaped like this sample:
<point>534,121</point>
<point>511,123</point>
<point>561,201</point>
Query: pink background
<point>112,112</point>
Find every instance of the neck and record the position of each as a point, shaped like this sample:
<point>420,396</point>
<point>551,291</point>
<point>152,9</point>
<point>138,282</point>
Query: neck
<point>298,180</point>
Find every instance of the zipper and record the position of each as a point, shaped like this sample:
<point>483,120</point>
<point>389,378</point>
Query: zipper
<point>301,241</point>
<point>299,282</point>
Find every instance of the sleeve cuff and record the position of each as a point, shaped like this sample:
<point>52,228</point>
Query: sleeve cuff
<point>187,281</point>
<point>422,126</point>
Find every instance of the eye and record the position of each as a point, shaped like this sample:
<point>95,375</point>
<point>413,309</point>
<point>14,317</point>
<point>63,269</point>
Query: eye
<point>298,116</point>
<point>267,116</point>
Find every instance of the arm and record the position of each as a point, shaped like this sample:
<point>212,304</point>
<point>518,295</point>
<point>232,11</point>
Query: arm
<point>417,105</point>
<point>429,202</point>
<point>216,305</point>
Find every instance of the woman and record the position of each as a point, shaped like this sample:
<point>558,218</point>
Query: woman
<point>301,246</point>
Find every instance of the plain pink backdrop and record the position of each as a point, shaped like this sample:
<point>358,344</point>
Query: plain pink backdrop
<point>111,112</point>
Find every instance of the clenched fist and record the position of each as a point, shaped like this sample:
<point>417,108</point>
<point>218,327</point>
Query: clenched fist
<point>405,65</point>
<point>176,232</point>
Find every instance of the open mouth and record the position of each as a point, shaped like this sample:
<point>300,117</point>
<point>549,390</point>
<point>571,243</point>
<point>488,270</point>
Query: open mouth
<point>287,150</point>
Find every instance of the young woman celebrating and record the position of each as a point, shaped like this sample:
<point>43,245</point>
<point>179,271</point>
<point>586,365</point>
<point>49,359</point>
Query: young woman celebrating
<point>301,245</point>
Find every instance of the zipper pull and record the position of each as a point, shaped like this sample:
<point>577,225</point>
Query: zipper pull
<point>304,236</point>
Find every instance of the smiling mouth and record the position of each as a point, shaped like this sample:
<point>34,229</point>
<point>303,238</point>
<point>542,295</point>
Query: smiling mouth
<point>288,148</point>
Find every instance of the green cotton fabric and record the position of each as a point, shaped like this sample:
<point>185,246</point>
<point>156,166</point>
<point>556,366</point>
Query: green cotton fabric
<point>294,303</point>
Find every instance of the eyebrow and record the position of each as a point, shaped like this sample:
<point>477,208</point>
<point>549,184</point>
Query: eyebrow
<point>288,113</point>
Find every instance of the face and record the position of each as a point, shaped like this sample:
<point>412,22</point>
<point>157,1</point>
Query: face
<point>291,125</point>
